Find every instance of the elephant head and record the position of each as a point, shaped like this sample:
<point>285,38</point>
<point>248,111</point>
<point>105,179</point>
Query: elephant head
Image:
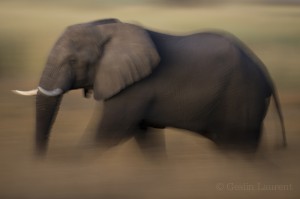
<point>102,56</point>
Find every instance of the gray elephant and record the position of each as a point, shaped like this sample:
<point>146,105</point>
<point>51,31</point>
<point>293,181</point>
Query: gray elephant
<point>208,83</point>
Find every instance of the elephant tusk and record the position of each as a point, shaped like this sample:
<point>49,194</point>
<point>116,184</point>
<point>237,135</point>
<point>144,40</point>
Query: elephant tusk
<point>52,93</point>
<point>33,92</point>
<point>26,93</point>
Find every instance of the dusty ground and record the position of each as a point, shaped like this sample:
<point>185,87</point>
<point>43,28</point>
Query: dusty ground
<point>194,168</point>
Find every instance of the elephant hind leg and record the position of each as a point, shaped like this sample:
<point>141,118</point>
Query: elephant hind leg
<point>235,137</point>
<point>238,125</point>
<point>237,121</point>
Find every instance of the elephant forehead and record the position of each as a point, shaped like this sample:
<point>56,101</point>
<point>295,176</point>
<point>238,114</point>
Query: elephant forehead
<point>80,33</point>
<point>57,55</point>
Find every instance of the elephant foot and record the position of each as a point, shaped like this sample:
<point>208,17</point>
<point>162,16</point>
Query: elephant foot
<point>152,145</point>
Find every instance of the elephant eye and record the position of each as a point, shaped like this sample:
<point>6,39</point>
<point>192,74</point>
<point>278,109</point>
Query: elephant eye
<point>72,62</point>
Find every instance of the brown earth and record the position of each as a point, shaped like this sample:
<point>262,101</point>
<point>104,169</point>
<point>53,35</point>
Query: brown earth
<point>194,168</point>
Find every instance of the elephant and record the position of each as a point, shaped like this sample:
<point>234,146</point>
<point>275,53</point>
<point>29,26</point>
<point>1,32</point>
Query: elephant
<point>208,83</point>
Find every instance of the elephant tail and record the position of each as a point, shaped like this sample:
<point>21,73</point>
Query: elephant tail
<point>274,94</point>
<point>280,115</point>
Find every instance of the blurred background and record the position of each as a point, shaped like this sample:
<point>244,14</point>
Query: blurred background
<point>194,167</point>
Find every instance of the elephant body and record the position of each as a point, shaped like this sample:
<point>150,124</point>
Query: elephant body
<point>208,83</point>
<point>204,83</point>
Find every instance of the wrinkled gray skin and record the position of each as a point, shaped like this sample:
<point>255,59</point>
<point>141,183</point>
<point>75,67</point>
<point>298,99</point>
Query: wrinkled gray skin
<point>208,83</point>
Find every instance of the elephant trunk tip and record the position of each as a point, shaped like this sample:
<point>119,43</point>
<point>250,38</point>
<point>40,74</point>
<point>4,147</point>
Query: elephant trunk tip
<point>40,154</point>
<point>41,148</point>
<point>284,144</point>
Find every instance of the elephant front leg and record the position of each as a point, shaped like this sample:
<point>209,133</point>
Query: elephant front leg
<point>112,133</point>
<point>150,141</point>
<point>119,122</point>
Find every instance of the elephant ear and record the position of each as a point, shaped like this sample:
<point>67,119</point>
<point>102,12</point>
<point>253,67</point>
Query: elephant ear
<point>128,56</point>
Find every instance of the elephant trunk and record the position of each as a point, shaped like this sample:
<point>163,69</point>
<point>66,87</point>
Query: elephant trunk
<point>53,84</point>
<point>46,111</point>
